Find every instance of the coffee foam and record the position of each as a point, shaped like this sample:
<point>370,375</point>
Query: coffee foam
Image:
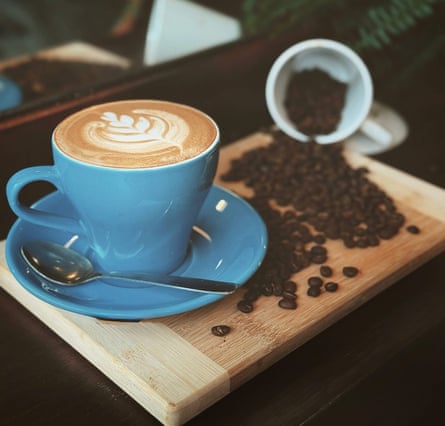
<point>135,134</point>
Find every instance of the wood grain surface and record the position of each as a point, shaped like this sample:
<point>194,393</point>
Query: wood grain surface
<point>175,368</point>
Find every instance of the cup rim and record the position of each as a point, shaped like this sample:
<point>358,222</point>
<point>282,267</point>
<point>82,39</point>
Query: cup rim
<point>285,57</point>
<point>212,146</point>
<point>178,164</point>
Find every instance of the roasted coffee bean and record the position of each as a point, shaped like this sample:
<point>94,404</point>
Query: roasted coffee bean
<point>318,258</point>
<point>251,294</point>
<point>287,303</point>
<point>387,232</point>
<point>318,250</point>
<point>326,271</point>
<point>319,239</point>
<point>245,306</point>
<point>314,291</point>
<point>315,282</point>
<point>349,243</point>
<point>413,229</point>
<point>318,254</point>
<point>373,240</point>
<point>331,286</point>
<point>267,289</point>
<point>350,271</point>
<point>220,330</point>
<point>290,286</point>
<point>362,242</point>
<point>289,295</point>
<point>277,288</point>
<point>302,259</point>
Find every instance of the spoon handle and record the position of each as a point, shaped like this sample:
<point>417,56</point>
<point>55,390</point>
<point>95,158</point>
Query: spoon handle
<point>186,283</point>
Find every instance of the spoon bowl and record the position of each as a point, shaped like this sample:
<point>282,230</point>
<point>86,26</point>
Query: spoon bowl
<point>64,266</point>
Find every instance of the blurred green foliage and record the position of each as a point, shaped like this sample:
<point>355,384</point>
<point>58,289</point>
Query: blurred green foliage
<point>361,24</point>
<point>396,38</point>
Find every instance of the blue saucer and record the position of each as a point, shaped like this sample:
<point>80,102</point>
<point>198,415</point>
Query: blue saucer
<point>228,244</point>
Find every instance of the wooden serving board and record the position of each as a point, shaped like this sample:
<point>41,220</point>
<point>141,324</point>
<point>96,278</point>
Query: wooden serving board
<point>175,367</point>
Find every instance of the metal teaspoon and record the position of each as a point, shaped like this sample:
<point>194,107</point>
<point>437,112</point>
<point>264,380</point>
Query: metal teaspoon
<point>63,266</point>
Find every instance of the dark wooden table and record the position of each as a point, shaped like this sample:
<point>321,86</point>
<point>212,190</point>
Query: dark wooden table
<point>382,364</point>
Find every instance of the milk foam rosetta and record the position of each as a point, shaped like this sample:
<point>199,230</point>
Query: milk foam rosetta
<point>135,134</point>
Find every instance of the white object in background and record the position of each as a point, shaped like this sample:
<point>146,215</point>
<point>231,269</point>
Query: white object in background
<point>388,119</point>
<point>342,64</point>
<point>179,27</point>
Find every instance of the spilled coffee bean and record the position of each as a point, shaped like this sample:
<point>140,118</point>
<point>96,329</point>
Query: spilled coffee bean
<point>350,271</point>
<point>331,286</point>
<point>315,282</point>
<point>318,254</point>
<point>245,306</point>
<point>326,271</point>
<point>413,229</point>
<point>288,303</point>
<point>319,239</point>
<point>314,291</point>
<point>321,197</point>
<point>220,330</point>
<point>290,286</point>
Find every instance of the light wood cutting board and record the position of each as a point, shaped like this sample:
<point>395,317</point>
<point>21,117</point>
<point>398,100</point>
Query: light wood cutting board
<point>175,367</point>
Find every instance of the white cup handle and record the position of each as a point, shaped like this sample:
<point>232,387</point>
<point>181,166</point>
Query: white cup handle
<point>376,132</point>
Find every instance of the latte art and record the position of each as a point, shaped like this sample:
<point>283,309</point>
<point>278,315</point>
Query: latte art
<point>141,130</point>
<point>135,134</point>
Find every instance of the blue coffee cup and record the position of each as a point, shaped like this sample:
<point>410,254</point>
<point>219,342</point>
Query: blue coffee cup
<point>133,218</point>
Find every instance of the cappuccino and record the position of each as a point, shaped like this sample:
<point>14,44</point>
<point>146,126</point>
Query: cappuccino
<point>135,134</point>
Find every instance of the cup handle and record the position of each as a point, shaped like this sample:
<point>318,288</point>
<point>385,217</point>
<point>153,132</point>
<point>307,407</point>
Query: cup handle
<point>376,132</point>
<point>39,217</point>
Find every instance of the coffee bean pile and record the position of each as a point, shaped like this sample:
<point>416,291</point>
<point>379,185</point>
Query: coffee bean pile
<point>307,193</point>
<point>314,101</point>
<point>338,201</point>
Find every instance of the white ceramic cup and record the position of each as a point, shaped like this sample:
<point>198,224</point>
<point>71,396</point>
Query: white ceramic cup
<point>342,64</point>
